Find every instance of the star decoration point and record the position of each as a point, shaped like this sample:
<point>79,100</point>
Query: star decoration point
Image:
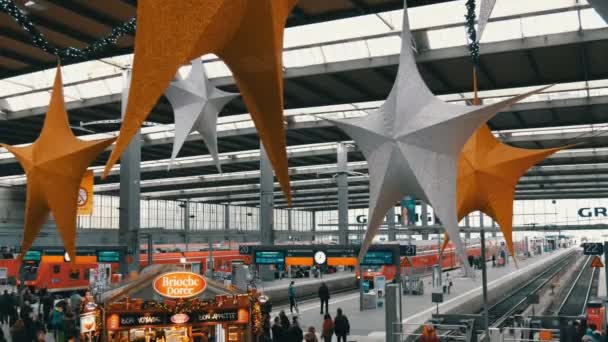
<point>246,34</point>
<point>54,166</point>
<point>196,104</point>
<point>412,143</point>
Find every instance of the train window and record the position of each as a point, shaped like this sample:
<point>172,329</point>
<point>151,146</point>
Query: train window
<point>56,269</point>
<point>75,274</point>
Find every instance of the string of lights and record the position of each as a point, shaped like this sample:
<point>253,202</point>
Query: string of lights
<point>71,53</point>
<point>472,32</point>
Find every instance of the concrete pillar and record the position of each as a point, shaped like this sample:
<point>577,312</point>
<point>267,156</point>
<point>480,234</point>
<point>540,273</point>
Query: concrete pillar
<point>150,249</point>
<point>186,205</point>
<point>129,220</point>
<point>313,227</point>
<point>390,221</point>
<point>266,199</point>
<point>342,180</point>
<point>289,220</point>
<point>226,217</point>
<point>424,218</point>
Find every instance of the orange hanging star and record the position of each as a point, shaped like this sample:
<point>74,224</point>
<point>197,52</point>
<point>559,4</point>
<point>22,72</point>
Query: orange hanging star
<point>54,166</point>
<point>488,172</point>
<point>246,34</point>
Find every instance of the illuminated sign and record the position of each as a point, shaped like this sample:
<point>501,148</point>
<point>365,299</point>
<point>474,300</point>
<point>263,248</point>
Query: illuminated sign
<point>88,322</point>
<point>378,258</point>
<point>108,256</point>
<point>215,317</point>
<point>135,319</point>
<point>33,256</point>
<point>179,284</point>
<point>180,318</point>
<point>269,257</point>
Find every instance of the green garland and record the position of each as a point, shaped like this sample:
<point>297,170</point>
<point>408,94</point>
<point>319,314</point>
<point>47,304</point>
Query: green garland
<point>71,53</point>
<point>472,32</point>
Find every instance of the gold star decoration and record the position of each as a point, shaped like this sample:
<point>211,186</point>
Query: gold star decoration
<point>488,172</point>
<point>54,166</point>
<point>246,34</point>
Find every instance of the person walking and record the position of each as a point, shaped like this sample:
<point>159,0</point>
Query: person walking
<point>324,297</point>
<point>449,283</point>
<point>291,293</point>
<point>295,333</point>
<point>56,322</point>
<point>69,322</point>
<point>328,328</point>
<point>47,305</point>
<point>5,302</point>
<point>341,326</point>
<point>277,330</point>
<point>311,335</point>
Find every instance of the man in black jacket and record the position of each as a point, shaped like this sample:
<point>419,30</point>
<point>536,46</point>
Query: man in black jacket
<point>324,297</point>
<point>341,326</point>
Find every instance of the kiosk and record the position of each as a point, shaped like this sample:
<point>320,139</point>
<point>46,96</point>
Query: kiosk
<point>180,310</point>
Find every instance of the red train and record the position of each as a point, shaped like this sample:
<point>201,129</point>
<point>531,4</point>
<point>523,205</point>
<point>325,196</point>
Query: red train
<point>53,273</point>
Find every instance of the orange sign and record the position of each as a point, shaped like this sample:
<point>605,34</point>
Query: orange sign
<point>85,194</point>
<point>597,262</point>
<point>179,284</point>
<point>406,262</point>
<point>113,322</point>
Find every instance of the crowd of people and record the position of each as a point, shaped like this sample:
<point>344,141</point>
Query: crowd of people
<point>31,316</point>
<point>285,329</point>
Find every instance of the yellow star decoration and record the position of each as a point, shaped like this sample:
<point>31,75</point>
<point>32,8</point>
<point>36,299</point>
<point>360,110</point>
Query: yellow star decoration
<point>246,34</point>
<point>488,172</point>
<point>54,166</point>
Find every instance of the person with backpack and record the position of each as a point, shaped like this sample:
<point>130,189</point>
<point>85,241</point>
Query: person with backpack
<point>324,297</point>
<point>291,293</point>
<point>56,322</point>
<point>277,330</point>
<point>341,326</point>
<point>328,328</point>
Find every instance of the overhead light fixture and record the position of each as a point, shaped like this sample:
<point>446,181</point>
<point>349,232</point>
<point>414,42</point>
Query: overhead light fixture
<point>36,5</point>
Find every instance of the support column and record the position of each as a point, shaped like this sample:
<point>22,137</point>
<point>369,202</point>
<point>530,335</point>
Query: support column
<point>226,217</point>
<point>266,199</point>
<point>289,220</point>
<point>313,229</point>
<point>424,218</point>
<point>129,220</point>
<point>150,249</point>
<point>481,223</point>
<point>342,180</point>
<point>484,281</point>
<point>467,223</point>
<point>186,205</point>
<point>493,226</point>
<point>390,221</point>
<point>210,263</point>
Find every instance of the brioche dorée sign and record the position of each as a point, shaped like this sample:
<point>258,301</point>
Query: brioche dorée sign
<point>179,284</point>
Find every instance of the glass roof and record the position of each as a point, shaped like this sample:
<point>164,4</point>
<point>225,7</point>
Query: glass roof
<point>340,40</point>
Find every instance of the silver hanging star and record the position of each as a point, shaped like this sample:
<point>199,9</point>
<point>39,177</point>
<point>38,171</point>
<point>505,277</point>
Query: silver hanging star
<point>196,104</point>
<point>412,143</point>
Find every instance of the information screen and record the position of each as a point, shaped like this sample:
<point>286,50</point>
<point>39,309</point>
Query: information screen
<point>269,257</point>
<point>378,258</point>
<point>108,256</point>
<point>33,256</point>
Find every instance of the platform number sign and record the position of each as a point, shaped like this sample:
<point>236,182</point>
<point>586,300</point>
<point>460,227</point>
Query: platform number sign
<point>244,250</point>
<point>593,248</point>
<point>407,250</point>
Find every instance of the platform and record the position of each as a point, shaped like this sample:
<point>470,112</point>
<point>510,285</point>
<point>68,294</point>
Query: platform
<point>284,283</point>
<point>369,325</point>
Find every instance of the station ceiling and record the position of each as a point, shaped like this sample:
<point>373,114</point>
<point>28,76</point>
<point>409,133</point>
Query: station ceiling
<point>562,58</point>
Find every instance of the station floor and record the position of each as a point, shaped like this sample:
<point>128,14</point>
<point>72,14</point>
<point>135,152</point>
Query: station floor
<point>284,283</point>
<point>369,325</point>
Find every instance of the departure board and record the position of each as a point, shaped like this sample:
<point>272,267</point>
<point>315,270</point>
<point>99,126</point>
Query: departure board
<point>269,257</point>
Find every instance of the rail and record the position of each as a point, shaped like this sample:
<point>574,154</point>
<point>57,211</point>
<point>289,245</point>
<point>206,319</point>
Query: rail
<point>501,311</point>
<point>572,305</point>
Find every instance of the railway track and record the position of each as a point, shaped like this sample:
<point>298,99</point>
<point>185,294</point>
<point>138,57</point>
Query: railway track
<point>584,286</point>
<point>516,301</point>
